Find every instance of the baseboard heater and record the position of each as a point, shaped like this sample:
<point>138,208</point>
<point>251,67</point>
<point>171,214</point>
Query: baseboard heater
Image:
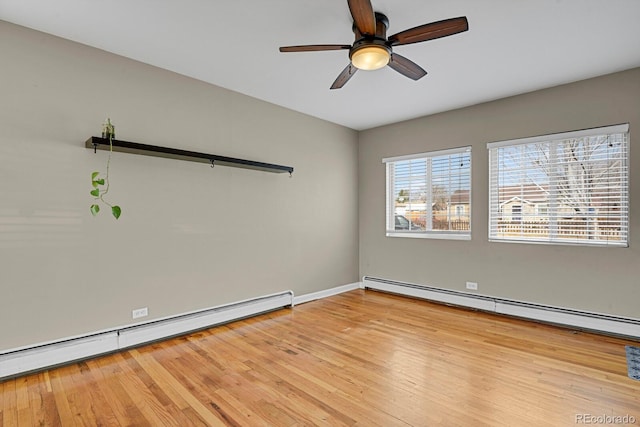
<point>620,326</point>
<point>34,358</point>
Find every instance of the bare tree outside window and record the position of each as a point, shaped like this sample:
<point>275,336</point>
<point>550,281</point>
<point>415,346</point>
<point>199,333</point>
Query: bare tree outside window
<point>565,189</point>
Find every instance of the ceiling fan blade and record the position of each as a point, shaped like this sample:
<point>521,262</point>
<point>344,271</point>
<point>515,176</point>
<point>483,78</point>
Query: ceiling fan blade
<point>430,31</point>
<point>314,47</point>
<point>363,16</point>
<point>344,76</point>
<point>406,67</point>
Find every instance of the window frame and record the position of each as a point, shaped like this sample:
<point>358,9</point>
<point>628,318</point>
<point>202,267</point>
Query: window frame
<point>555,214</point>
<point>427,233</point>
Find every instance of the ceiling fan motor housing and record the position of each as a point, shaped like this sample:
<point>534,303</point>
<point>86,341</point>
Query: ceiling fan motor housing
<point>376,42</point>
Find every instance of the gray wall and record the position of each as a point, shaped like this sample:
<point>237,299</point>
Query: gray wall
<point>190,237</point>
<point>603,280</point>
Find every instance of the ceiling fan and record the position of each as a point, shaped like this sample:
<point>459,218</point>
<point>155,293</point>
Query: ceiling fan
<point>372,49</point>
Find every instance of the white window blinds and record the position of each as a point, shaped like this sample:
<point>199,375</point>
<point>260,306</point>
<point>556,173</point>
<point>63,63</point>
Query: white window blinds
<point>570,188</point>
<point>429,194</point>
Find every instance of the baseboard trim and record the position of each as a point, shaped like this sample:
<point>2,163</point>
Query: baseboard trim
<point>45,355</point>
<point>598,322</point>
<point>326,293</point>
<point>37,358</point>
<point>182,324</point>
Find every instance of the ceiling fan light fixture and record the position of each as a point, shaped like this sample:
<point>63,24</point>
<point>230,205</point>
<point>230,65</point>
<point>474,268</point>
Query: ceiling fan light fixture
<point>370,57</point>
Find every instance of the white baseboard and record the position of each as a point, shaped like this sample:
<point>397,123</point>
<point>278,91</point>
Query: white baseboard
<point>27,359</point>
<point>35,358</point>
<point>616,325</point>
<point>179,325</point>
<point>432,294</point>
<point>326,293</point>
<point>582,320</point>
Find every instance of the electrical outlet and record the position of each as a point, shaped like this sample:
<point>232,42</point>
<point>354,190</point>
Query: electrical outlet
<point>472,286</point>
<point>140,312</point>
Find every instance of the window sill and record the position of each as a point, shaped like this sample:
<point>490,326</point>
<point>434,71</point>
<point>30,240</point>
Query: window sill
<point>441,236</point>
<point>600,244</point>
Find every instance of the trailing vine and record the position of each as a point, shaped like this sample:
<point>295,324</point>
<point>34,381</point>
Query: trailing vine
<point>101,185</point>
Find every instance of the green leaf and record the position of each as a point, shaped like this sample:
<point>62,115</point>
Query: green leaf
<point>116,211</point>
<point>95,184</point>
<point>95,192</point>
<point>94,175</point>
<point>95,209</point>
<point>99,181</point>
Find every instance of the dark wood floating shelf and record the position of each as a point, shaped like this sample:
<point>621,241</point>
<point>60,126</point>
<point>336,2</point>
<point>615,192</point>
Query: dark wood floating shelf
<point>97,143</point>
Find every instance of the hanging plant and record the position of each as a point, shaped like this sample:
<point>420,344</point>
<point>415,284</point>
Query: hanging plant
<point>101,185</point>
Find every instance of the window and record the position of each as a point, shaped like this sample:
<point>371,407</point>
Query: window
<point>516,213</point>
<point>429,194</point>
<point>569,188</point>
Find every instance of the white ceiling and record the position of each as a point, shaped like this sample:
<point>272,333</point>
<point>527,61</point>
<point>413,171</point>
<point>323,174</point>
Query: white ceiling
<point>511,47</point>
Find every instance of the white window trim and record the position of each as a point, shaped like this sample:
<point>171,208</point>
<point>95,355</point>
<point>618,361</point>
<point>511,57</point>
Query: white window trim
<point>428,154</point>
<point>621,128</point>
<point>429,234</point>
<point>444,235</point>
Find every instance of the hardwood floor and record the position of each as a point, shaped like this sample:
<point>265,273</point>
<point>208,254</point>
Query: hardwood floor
<point>359,358</point>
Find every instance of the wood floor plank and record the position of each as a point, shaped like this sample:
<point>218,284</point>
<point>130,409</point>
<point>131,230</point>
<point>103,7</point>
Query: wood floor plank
<point>44,411</point>
<point>168,382</point>
<point>148,393</point>
<point>108,377</point>
<point>89,406</point>
<point>234,411</point>
<point>361,358</point>
<point>22,402</point>
<point>63,390</point>
<point>9,410</point>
